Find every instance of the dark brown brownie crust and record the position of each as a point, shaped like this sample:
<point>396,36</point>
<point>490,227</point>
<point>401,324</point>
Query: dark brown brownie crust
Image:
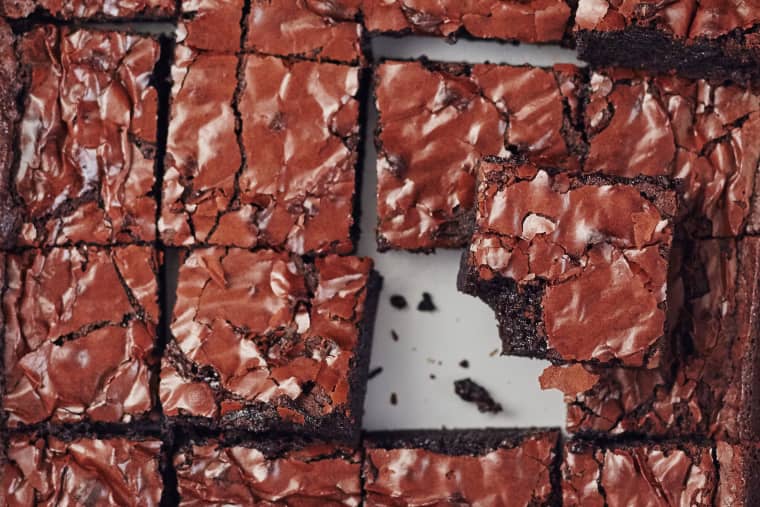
<point>10,88</point>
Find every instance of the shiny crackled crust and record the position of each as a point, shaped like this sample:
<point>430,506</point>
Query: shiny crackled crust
<point>89,9</point>
<point>80,328</point>
<point>471,467</point>
<point>554,255</point>
<point>713,387</point>
<point>293,186</point>
<point>211,473</point>
<point>84,471</point>
<point>638,473</point>
<point>262,340</point>
<point>87,138</point>
<point>435,123</point>
<point>513,20</point>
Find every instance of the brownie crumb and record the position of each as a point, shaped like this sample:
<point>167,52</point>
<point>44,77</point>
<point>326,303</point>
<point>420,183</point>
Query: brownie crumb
<point>464,363</point>
<point>375,372</point>
<point>394,399</point>
<point>394,335</point>
<point>398,302</point>
<point>427,305</point>
<point>474,393</point>
<point>494,353</point>
<point>432,376</point>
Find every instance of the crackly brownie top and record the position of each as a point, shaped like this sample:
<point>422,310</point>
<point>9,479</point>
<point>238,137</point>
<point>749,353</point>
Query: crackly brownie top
<point>49,471</point>
<point>638,474</point>
<point>434,469</point>
<point>211,25</point>
<point>680,18</point>
<point>89,9</point>
<point>293,187</point>
<point>436,120</point>
<point>593,242</point>
<point>715,377</point>
<point>313,474</point>
<point>525,21</point>
<point>79,334</point>
<point>87,138</point>
<point>264,328</point>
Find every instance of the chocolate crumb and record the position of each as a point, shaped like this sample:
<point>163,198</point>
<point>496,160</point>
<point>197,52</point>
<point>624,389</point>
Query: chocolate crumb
<point>394,399</point>
<point>427,305</point>
<point>375,372</point>
<point>474,393</point>
<point>394,335</point>
<point>398,302</point>
<point>432,376</point>
<point>464,363</point>
<point>493,353</point>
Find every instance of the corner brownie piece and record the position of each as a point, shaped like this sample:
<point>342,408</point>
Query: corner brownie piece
<point>713,39</point>
<point>554,255</point>
<point>437,120</point>
<point>90,10</point>
<point>80,329</point>
<point>462,467</point>
<point>288,471</point>
<point>87,138</point>
<point>269,163</point>
<point>508,20</point>
<point>266,341</point>
<point>39,470</point>
<point>10,87</point>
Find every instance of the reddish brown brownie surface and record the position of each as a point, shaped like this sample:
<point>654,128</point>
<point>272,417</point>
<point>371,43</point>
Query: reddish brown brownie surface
<point>49,471</point>
<point>10,87</point>
<point>293,186</point>
<point>80,327</point>
<point>211,24</point>
<point>435,123</point>
<point>263,474</point>
<point>262,339</point>
<point>524,21</point>
<point>89,9</point>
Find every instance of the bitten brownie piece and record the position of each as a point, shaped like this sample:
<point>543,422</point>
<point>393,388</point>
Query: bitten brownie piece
<point>509,20</point>
<point>436,121</point>
<point>10,87</point>
<point>271,163</point>
<point>554,256</point>
<point>713,386</point>
<point>265,341</point>
<point>80,327</point>
<point>462,467</point>
<point>286,472</point>
<point>701,133</point>
<point>87,138</point>
<point>93,10</point>
<point>84,471</point>
<point>638,473</point>
<point>709,38</point>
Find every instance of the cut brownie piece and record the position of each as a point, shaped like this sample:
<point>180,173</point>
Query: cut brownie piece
<point>38,470</point>
<point>437,120</point>
<point>91,10</point>
<point>293,184</point>
<point>10,87</point>
<point>214,25</point>
<point>266,341</point>
<point>288,471</point>
<point>713,39</point>
<point>462,467</point>
<point>80,328</point>
<point>712,388</point>
<point>87,138</point>
<point>507,20</point>
<point>638,473</point>
<point>554,255</point>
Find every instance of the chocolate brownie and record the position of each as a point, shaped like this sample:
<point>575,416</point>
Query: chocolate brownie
<point>91,10</point>
<point>270,162</point>
<point>10,87</point>
<point>286,471</point>
<point>80,331</point>
<point>739,466</point>
<point>265,341</point>
<point>507,20</point>
<point>554,255</point>
<point>435,122</point>
<point>86,142</point>
<point>711,388</point>
<point>462,467</point>
<point>702,39</point>
<point>47,470</point>
<point>639,473</point>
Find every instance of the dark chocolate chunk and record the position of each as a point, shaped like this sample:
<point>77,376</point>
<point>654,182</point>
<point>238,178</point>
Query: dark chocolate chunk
<point>472,392</point>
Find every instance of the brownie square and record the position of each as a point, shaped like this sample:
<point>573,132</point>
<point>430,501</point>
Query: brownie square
<point>554,255</point>
<point>638,473</point>
<point>87,139</point>
<point>47,470</point>
<point>10,87</point>
<point>89,10</point>
<point>271,163</point>
<point>462,467</point>
<point>215,25</point>
<point>507,20</point>
<point>80,331</point>
<point>711,386</point>
<point>266,341</point>
<point>436,121</point>
<point>285,471</point>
